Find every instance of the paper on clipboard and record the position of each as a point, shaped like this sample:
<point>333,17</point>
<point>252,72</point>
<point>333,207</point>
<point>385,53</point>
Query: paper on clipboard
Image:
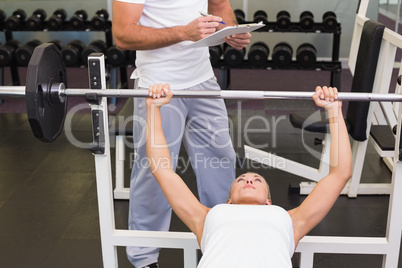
<point>217,37</point>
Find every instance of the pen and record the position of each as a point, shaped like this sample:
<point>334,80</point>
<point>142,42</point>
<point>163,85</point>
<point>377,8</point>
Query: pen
<point>205,14</point>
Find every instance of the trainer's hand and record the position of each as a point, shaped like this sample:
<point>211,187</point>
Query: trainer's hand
<point>156,92</point>
<point>238,41</point>
<point>201,27</point>
<point>327,97</point>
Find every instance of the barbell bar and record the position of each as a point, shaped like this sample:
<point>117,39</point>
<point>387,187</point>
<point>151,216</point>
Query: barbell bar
<point>19,91</point>
<point>46,93</point>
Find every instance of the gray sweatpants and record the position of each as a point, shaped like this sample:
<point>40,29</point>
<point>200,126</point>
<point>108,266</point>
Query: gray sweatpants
<point>202,125</point>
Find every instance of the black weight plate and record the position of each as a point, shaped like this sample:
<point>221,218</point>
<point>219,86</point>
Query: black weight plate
<point>240,15</point>
<point>234,57</point>
<point>306,55</point>
<point>98,23</point>
<point>329,20</point>
<point>60,13</point>
<point>283,20</point>
<point>7,52</point>
<point>45,116</point>
<point>103,13</point>
<point>116,57</point>
<point>282,55</point>
<point>258,54</point>
<point>306,20</point>
<point>132,55</point>
<point>82,14</point>
<point>215,53</point>
<point>3,15</point>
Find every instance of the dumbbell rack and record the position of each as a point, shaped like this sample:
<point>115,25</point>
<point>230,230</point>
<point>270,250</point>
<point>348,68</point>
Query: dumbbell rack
<point>13,68</point>
<point>65,27</point>
<point>334,65</point>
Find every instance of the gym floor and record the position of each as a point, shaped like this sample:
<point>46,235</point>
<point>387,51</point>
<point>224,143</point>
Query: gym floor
<point>48,200</point>
<point>390,11</point>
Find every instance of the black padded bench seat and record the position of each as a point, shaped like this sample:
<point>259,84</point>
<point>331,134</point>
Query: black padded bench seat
<point>320,124</point>
<point>383,136</point>
<point>363,80</point>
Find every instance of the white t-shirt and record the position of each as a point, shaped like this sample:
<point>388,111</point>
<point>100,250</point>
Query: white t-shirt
<point>247,236</point>
<point>178,66</point>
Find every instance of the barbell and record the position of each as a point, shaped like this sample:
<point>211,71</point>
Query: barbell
<point>47,94</point>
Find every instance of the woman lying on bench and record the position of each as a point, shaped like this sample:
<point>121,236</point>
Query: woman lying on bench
<point>249,231</point>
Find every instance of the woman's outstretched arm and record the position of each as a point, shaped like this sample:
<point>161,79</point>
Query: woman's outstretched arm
<point>318,203</point>
<point>184,203</point>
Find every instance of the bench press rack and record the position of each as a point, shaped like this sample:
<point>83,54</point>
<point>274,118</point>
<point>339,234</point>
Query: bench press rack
<point>112,237</point>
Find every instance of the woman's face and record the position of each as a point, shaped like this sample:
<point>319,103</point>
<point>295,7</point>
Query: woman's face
<point>249,188</point>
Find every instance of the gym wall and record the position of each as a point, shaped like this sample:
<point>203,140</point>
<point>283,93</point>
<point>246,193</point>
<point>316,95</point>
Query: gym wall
<point>344,9</point>
<point>70,6</point>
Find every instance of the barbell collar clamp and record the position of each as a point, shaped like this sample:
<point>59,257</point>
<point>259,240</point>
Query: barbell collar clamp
<point>57,92</point>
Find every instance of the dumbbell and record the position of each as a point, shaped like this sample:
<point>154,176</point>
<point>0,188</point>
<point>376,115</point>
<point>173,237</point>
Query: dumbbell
<point>15,21</point>
<point>97,46</point>
<point>55,22</point>
<point>329,21</point>
<point>77,21</point>
<point>7,52</point>
<point>306,20</point>
<point>261,16</point>
<point>306,55</point>
<point>35,21</point>
<point>132,55</point>
<point>116,57</point>
<point>283,20</point>
<point>234,57</point>
<point>98,22</point>
<point>215,54</point>
<point>258,54</point>
<point>57,43</point>
<point>3,16</point>
<point>240,16</point>
<point>24,53</point>
<point>71,54</point>
<point>282,55</point>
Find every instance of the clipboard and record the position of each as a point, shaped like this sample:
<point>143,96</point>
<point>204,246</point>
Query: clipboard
<point>217,37</point>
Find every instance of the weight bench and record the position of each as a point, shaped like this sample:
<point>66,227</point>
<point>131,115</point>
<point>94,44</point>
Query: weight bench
<point>358,119</point>
<point>111,237</point>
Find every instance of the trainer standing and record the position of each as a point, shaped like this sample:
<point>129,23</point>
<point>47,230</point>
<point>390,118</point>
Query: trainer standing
<point>158,30</point>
